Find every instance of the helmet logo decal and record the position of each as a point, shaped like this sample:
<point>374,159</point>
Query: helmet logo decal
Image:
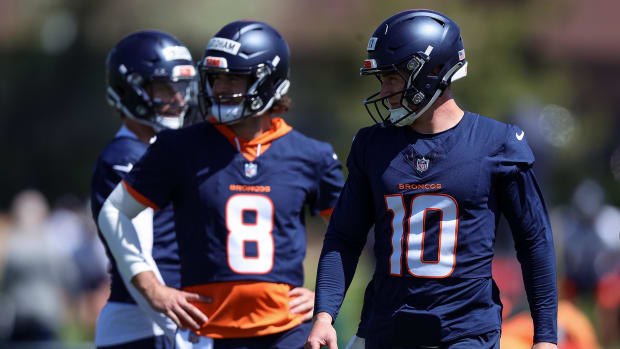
<point>225,45</point>
<point>428,51</point>
<point>370,63</point>
<point>216,62</point>
<point>372,43</point>
<point>461,54</point>
<point>172,53</point>
<point>183,71</point>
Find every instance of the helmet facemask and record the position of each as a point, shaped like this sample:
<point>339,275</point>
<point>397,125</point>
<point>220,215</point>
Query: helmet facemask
<point>418,94</point>
<point>259,95</point>
<point>161,100</point>
<point>171,102</point>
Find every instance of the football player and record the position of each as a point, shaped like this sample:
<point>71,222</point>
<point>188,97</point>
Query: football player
<point>433,179</point>
<point>149,77</point>
<point>239,184</point>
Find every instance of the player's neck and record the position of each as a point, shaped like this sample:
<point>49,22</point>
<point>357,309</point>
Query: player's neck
<point>442,116</point>
<point>143,132</point>
<point>252,127</point>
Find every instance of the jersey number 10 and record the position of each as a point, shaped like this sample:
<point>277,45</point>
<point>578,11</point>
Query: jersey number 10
<point>411,229</point>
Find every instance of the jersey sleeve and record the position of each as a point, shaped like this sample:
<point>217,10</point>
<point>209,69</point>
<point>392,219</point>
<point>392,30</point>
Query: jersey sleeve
<point>104,181</point>
<point>116,160</point>
<point>346,235</point>
<point>515,153</point>
<point>330,182</point>
<point>523,205</point>
<point>154,177</point>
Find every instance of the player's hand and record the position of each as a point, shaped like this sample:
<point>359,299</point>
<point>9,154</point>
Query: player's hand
<point>170,301</point>
<point>544,345</point>
<point>323,333</point>
<point>175,304</point>
<point>302,302</point>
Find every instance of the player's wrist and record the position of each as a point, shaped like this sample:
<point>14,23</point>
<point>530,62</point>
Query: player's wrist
<point>146,283</point>
<point>323,317</point>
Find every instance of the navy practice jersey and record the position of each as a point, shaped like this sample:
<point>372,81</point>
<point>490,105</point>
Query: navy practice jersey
<point>237,219</point>
<point>116,160</point>
<point>435,201</point>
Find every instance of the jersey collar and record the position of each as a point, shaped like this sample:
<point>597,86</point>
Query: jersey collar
<point>255,147</point>
<point>125,132</point>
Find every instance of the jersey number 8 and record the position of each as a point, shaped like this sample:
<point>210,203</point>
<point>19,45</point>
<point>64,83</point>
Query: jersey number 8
<point>257,231</point>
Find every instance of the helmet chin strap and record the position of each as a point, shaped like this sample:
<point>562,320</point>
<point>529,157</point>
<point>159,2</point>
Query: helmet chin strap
<point>280,91</point>
<point>398,116</point>
<point>404,117</point>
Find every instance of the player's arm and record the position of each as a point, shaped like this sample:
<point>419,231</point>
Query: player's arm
<point>523,205</point>
<point>110,170</point>
<point>344,241</point>
<point>115,222</point>
<point>143,223</point>
<point>526,213</point>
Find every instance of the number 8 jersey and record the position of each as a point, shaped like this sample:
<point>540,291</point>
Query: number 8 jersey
<point>238,206</point>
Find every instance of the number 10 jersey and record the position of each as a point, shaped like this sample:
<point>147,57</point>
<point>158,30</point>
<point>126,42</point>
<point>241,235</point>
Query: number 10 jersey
<point>435,201</point>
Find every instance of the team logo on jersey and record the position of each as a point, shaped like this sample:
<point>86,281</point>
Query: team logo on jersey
<point>520,135</point>
<point>251,169</point>
<point>422,164</point>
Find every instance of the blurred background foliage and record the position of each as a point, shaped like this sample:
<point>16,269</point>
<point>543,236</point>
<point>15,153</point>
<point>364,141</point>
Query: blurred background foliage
<point>549,66</point>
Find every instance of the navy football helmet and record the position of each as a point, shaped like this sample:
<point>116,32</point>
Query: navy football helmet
<point>247,48</point>
<point>151,79</point>
<point>425,48</point>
